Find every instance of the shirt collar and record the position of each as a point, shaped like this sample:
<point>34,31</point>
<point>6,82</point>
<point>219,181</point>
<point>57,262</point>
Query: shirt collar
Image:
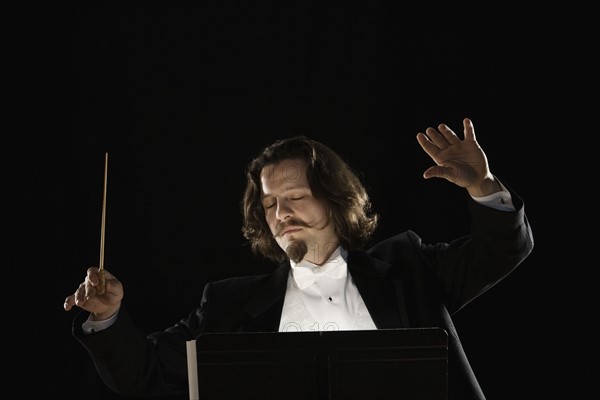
<point>306,273</point>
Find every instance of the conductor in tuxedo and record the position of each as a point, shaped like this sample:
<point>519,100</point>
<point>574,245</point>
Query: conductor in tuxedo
<point>304,208</point>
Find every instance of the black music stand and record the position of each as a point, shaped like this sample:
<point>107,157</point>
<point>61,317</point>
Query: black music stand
<point>332,365</point>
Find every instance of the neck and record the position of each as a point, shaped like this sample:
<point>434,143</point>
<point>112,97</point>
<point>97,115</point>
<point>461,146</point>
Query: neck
<point>319,254</point>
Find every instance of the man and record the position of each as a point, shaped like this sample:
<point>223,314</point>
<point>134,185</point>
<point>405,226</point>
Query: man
<point>304,208</point>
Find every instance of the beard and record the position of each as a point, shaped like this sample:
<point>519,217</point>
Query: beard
<point>296,250</point>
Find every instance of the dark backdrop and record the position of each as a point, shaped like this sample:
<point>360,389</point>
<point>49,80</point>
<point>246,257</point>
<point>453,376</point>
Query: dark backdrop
<point>183,94</point>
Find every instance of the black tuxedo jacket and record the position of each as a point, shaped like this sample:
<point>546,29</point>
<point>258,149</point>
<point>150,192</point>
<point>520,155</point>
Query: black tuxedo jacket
<point>403,282</point>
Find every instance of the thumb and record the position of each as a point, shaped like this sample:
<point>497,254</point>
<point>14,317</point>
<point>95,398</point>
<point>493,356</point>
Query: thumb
<point>437,171</point>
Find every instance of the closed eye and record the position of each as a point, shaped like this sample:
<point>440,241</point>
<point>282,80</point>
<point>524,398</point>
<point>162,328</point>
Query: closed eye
<point>274,203</point>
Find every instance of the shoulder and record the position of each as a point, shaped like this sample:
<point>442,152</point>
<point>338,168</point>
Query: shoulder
<point>239,287</point>
<point>408,240</point>
<point>238,283</point>
<point>405,246</point>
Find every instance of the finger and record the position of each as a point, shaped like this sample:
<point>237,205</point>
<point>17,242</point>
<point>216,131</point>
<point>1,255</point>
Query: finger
<point>448,134</point>
<point>80,296</point>
<point>438,171</point>
<point>69,303</point>
<point>92,276</point>
<point>436,138</point>
<point>113,287</point>
<point>469,130</point>
<point>89,287</point>
<point>101,287</point>
<point>431,149</point>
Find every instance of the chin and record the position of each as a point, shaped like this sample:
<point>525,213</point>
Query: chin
<point>296,250</point>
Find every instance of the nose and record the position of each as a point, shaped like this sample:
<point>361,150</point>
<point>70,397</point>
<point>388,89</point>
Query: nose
<point>284,210</point>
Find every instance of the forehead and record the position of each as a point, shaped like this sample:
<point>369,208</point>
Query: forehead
<point>286,174</point>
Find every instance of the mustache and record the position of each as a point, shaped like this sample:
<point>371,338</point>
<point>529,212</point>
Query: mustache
<point>290,222</point>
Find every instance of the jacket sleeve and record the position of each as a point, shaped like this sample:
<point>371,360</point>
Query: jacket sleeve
<point>134,364</point>
<point>468,266</point>
<point>458,271</point>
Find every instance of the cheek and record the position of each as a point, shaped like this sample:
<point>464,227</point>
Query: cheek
<point>271,220</point>
<point>318,214</point>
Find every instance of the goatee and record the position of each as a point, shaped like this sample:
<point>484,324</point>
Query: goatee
<point>296,250</point>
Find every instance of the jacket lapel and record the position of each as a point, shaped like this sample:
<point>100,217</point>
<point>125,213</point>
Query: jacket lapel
<point>382,295</point>
<point>264,308</point>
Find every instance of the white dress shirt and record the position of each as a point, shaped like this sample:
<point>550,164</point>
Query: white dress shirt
<point>323,298</point>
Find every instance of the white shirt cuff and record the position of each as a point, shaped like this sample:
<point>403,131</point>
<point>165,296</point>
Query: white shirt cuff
<point>499,200</point>
<point>91,326</point>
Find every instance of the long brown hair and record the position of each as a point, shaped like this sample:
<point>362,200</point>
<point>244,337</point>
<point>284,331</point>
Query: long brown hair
<point>331,180</point>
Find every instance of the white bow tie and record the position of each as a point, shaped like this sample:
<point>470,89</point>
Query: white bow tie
<point>306,275</point>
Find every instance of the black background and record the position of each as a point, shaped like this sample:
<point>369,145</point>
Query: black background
<point>183,94</point>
